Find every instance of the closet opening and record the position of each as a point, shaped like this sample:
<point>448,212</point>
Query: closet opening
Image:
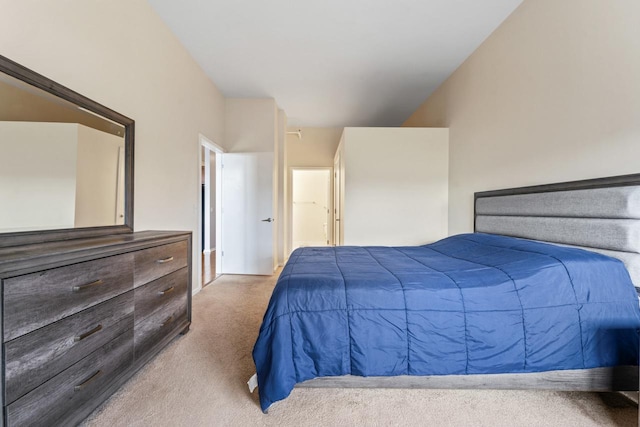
<point>311,207</point>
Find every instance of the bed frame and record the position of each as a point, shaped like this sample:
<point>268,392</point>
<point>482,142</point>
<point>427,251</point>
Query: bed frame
<point>601,215</point>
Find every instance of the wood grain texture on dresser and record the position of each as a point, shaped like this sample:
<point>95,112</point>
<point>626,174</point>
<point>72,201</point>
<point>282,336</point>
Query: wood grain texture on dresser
<point>69,316</point>
<point>172,318</point>
<point>34,300</point>
<point>26,259</point>
<point>155,296</point>
<point>51,403</point>
<point>158,261</point>
<point>34,358</point>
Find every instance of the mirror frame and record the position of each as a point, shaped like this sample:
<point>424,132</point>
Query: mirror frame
<point>20,72</point>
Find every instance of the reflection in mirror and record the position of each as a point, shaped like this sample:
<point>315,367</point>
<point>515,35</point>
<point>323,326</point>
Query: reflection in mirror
<point>61,166</point>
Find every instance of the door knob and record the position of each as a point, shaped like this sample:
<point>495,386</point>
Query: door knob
<point>268,220</point>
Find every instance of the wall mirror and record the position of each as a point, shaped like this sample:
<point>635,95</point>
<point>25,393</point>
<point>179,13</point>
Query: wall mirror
<point>66,162</point>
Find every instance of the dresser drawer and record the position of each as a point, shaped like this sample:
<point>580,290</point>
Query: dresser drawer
<point>34,358</point>
<point>75,389</point>
<point>154,296</point>
<point>35,300</point>
<point>166,321</point>
<point>156,262</point>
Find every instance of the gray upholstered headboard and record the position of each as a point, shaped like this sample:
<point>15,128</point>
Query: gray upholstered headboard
<point>602,215</point>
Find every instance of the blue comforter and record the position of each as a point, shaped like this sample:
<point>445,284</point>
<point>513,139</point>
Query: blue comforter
<point>468,304</point>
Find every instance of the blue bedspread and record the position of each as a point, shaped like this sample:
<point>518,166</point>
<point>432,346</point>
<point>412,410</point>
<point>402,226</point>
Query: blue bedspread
<point>468,304</point>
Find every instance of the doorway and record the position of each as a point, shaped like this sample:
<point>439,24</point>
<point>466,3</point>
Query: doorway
<point>311,207</point>
<point>209,210</point>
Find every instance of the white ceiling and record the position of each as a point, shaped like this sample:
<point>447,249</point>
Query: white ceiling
<point>333,62</point>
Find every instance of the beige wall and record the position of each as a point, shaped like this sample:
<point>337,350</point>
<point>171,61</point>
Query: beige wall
<point>395,186</point>
<point>97,177</point>
<point>316,148</point>
<point>38,170</point>
<point>22,102</point>
<point>250,125</point>
<point>57,175</point>
<point>552,95</point>
<point>120,54</point>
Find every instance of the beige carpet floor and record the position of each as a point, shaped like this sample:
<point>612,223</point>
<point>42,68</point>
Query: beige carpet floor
<point>200,380</point>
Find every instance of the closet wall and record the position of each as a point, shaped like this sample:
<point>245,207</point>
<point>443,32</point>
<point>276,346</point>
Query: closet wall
<point>391,186</point>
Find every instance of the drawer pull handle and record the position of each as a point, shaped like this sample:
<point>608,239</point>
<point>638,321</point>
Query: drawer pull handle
<point>167,321</point>
<point>164,260</point>
<point>167,291</point>
<point>87,334</point>
<point>88,381</point>
<point>81,288</point>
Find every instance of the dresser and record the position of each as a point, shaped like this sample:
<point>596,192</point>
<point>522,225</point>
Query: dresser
<point>80,317</point>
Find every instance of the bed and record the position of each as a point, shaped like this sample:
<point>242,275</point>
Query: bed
<point>541,296</point>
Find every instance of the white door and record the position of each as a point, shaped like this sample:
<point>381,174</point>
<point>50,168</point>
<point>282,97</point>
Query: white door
<point>247,213</point>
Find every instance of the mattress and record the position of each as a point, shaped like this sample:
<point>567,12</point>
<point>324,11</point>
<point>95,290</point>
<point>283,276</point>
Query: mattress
<point>468,304</point>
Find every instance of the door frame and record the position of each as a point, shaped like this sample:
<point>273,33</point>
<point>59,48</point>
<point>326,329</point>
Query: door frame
<point>289,206</point>
<point>337,199</point>
<point>205,142</point>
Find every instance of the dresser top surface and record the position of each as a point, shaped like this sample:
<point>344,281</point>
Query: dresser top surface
<point>17,258</point>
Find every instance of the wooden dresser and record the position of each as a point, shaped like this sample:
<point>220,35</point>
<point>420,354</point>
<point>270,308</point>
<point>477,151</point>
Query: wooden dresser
<point>79,317</point>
